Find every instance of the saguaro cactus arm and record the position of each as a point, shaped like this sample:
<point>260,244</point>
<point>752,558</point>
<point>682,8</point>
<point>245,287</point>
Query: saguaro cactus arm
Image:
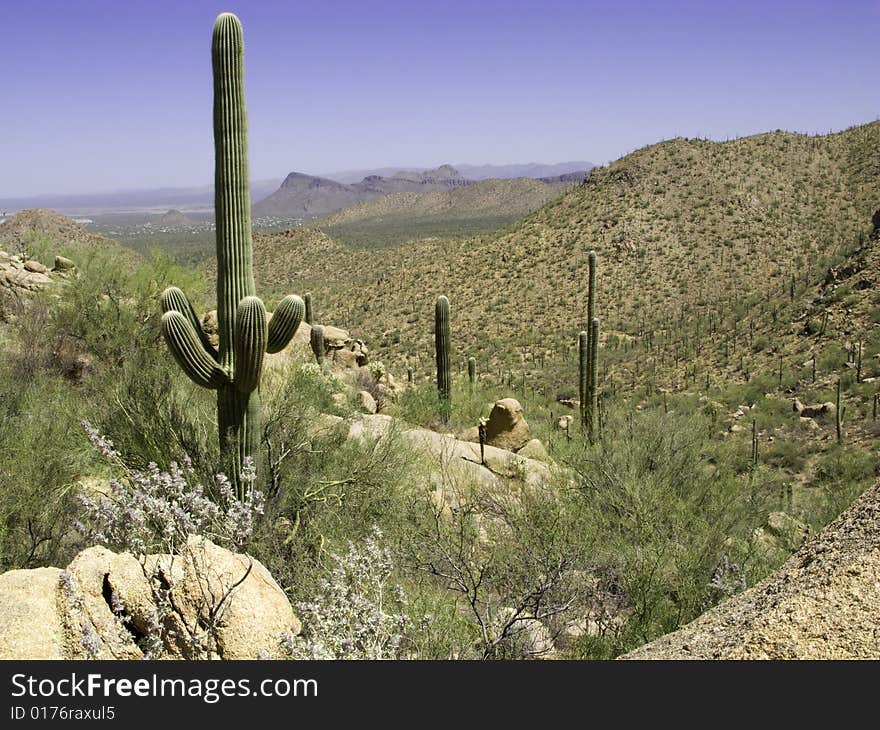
<point>184,344</point>
<point>285,322</point>
<point>251,334</point>
<point>174,300</point>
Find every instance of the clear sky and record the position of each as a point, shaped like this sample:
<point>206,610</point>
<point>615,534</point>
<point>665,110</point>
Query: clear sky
<point>111,94</point>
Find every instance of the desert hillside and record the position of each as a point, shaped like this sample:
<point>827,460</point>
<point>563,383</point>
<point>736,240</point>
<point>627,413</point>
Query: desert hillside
<point>482,207</point>
<point>686,231</point>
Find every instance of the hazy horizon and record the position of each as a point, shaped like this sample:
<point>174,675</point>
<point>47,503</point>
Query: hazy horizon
<point>102,96</point>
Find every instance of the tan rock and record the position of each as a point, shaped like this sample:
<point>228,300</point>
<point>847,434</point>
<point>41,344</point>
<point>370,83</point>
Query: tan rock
<point>31,622</point>
<point>101,577</point>
<point>104,602</point>
<point>63,264</point>
<point>370,427</point>
<point>534,449</point>
<point>366,402</point>
<point>210,326</point>
<point>345,358</point>
<point>507,427</point>
<point>819,409</point>
<point>233,592</point>
<point>35,266</point>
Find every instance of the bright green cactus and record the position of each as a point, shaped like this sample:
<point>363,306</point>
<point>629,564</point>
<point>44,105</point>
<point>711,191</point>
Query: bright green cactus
<point>442,348</point>
<point>235,368</point>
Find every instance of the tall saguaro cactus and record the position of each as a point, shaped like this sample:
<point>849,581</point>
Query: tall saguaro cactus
<point>583,376</point>
<point>593,386</point>
<point>591,301</point>
<point>234,370</point>
<point>442,348</point>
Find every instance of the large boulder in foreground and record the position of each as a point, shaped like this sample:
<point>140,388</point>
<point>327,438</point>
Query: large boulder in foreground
<point>823,603</point>
<point>249,607</point>
<point>31,625</point>
<point>507,428</point>
<point>106,605</point>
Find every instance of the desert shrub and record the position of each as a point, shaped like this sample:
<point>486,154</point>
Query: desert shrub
<point>359,612</point>
<point>41,458</point>
<point>842,474</point>
<point>421,406</point>
<point>512,564</point>
<point>156,414</point>
<point>111,310</point>
<point>326,491</point>
<point>663,519</point>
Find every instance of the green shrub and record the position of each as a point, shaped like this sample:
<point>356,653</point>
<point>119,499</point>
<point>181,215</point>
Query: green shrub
<point>663,519</point>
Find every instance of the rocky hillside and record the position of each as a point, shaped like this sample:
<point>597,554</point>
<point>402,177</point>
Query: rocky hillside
<point>512,198</point>
<point>824,603</point>
<point>28,227</point>
<point>685,230</point>
<point>306,196</point>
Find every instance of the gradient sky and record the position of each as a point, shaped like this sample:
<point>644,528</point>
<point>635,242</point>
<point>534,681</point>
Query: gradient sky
<point>113,94</point>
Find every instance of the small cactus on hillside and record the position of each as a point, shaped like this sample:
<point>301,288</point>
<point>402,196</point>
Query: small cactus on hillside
<point>472,372</point>
<point>307,300</point>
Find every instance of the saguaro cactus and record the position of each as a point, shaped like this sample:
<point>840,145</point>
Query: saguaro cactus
<point>442,347</point>
<point>316,340</point>
<point>233,370</point>
<point>472,372</point>
<point>593,386</point>
<point>591,295</point>
<point>583,375</point>
<point>307,298</point>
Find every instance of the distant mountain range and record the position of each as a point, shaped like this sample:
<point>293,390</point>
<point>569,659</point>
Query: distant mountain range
<point>535,170</point>
<point>308,196</point>
<point>300,194</point>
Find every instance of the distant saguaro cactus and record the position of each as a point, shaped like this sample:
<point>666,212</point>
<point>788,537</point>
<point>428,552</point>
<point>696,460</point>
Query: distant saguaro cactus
<point>442,348</point>
<point>593,386</point>
<point>583,375</point>
<point>307,298</point>
<point>316,340</point>
<point>234,370</point>
<point>472,372</point>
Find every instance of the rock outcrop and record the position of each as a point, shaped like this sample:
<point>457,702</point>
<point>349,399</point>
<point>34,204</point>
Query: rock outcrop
<point>208,601</point>
<point>507,427</point>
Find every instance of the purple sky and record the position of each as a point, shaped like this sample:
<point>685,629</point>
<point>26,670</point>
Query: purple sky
<point>107,94</point>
